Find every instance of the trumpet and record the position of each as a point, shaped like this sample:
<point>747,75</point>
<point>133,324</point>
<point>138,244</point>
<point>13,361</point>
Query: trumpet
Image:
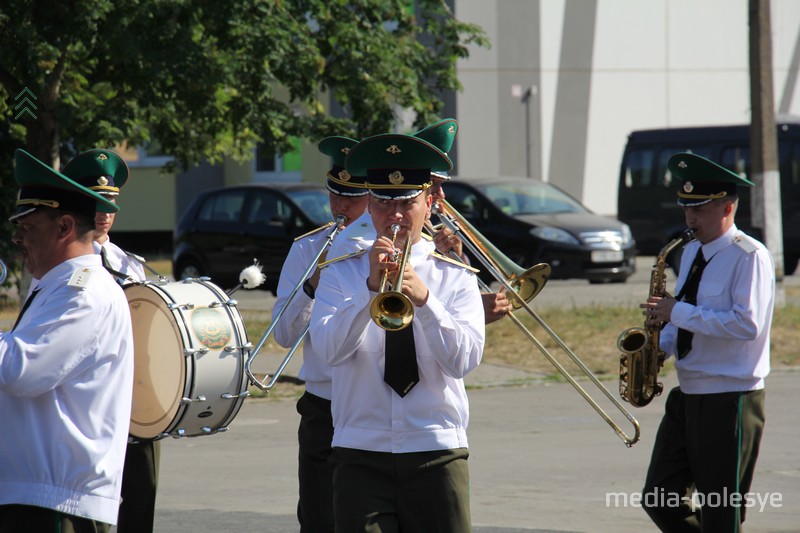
<point>391,309</point>
<point>338,225</point>
<point>478,245</point>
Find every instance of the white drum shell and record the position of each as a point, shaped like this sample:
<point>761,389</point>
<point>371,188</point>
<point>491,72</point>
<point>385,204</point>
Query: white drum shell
<point>189,355</point>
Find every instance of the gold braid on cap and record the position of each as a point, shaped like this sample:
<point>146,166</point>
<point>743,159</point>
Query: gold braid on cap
<point>422,187</point>
<point>38,201</point>
<point>702,196</point>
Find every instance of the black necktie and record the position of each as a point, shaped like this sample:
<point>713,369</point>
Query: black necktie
<point>688,294</point>
<point>400,371</point>
<point>25,307</point>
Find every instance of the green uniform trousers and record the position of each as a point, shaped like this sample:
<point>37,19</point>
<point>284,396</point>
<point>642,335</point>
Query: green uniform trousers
<point>315,473</point>
<point>402,492</point>
<point>703,461</point>
<point>139,483</point>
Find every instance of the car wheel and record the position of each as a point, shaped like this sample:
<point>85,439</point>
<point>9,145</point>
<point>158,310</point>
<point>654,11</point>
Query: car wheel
<point>189,268</point>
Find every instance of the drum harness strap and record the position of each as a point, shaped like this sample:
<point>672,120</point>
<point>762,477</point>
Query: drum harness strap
<point>121,278</point>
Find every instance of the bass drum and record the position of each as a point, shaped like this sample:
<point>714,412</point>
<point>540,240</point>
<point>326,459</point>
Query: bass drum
<point>190,347</point>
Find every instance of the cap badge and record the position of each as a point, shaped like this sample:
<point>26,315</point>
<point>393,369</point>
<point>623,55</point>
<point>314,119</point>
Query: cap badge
<point>451,129</point>
<point>393,149</point>
<point>396,178</point>
<point>102,181</point>
<point>688,187</point>
<point>682,164</point>
<point>102,157</point>
<point>344,175</point>
<point>345,150</point>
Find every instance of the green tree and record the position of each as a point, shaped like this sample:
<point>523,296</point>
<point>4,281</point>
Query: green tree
<point>209,79</point>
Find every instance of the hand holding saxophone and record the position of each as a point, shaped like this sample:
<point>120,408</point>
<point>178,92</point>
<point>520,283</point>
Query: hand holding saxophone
<point>657,310</point>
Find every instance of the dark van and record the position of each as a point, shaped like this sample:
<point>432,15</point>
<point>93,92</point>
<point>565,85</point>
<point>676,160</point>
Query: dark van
<point>647,193</point>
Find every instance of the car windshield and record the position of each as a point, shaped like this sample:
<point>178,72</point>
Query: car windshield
<point>314,203</point>
<point>533,198</point>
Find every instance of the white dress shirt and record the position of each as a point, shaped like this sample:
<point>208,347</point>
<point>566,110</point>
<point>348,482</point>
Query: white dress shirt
<point>358,235</point>
<point>449,338</point>
<point>315,370</point>
<point>66,376</point>
<point>732,319</point>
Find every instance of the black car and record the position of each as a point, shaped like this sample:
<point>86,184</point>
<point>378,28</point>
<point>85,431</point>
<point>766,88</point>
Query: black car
<point>224,230</point>
<point>534,222</point>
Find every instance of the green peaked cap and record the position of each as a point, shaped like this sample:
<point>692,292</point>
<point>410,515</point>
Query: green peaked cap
<point>43,186</point>
<point>703,180</point>
<point>440,134</point>
<point>396,165</point>
<point>340,181</point>
<point>100,170</point>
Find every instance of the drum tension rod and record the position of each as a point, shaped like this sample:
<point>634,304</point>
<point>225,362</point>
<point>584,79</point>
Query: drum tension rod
<point>185,400</point>
<point>242,347</point>
<point>172,307</point>
<point>229,303</point>
<point>229,396</point>
<point>188,352</point>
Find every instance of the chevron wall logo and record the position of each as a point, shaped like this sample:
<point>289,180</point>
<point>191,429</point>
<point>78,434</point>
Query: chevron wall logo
<point>25,102</point>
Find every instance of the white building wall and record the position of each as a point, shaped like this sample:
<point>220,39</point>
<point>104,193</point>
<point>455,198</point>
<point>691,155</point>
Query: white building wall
<point>651,64</point>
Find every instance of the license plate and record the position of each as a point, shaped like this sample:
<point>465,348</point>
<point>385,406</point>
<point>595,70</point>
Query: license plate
<point>606,256</point>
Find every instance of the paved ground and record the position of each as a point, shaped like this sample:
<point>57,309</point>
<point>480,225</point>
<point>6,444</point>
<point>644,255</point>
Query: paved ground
<point>541,458</point>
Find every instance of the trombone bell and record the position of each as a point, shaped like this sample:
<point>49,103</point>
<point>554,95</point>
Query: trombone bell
<point>529,283</point>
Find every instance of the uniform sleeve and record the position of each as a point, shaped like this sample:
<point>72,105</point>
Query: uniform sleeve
<point>297,314</point>
<point>341,316</point>
<point>751,286</point>
<point>455,330</point>
<point>41,354</point>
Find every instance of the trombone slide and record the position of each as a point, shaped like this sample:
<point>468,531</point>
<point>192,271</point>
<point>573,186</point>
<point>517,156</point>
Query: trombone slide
<point>491,264</point>
<point>273,378</point>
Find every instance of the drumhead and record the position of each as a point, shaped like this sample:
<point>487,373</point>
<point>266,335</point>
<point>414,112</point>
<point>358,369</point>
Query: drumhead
<point>159,376</point>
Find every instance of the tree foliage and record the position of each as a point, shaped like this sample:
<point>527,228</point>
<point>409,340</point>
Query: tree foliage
<point>209,79</point>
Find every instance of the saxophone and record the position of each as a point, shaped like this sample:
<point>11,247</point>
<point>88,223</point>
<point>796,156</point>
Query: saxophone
<point>642,358</point>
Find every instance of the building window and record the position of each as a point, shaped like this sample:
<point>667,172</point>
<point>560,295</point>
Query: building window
<point>272,166</point>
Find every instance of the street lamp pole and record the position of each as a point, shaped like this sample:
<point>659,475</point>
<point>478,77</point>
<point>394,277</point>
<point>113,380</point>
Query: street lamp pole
<point>526,98</point>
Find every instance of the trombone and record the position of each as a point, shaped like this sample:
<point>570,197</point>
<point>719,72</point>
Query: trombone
<point>338,226</point>
<point>391,309</point>
<point>479,246</point>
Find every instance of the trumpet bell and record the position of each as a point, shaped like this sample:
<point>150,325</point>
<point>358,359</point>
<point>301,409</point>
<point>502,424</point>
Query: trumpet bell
<point>529,283</point>
<point>392,311</point>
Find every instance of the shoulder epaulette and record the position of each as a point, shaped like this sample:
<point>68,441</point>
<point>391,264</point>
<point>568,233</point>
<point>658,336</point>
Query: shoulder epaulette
<point>80,278</point>
<point>351,255</point>
<point>745,243</point>
<point>313,231</point>
<point>441,257</point>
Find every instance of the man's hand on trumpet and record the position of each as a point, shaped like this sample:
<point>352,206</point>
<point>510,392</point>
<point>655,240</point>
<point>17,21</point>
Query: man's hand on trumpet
<point>384,260</point>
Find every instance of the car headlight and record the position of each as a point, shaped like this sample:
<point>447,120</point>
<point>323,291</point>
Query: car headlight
<point>554,234</point>
<point>627,236</point>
